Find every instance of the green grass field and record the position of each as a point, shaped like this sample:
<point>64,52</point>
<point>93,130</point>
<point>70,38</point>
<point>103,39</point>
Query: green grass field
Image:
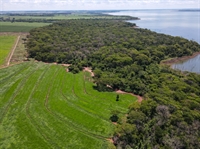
<point>6,44</point>
<point>65,17</point>
<point>19,26</point>
<point>43,106</point>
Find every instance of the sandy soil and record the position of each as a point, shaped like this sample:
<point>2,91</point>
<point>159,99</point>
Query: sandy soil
<point>66,65</point>
<point>110,140</point>
<point>89,70</point>
<point>138,97</point>
<point>114,123</point>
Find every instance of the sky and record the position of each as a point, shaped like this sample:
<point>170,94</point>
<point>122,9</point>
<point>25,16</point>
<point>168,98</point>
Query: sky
<point>8,5</point>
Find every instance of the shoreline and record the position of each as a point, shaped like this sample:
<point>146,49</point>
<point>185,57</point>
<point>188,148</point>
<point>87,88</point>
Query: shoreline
<point>176,60</point>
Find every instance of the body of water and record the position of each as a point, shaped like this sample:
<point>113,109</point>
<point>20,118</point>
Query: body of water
<point>183,23</point>
<point>192,65</point>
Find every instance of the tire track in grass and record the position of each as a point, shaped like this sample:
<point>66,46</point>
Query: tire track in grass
<point>78,97</point>
<point>79,108</point>
<point>95,97</point>
<point>85,90</point>
<point>102,101</point>
<point>19,71</point>
<point>84,78</point>
<point>103,138</point>
<point>28,115</point>
<point>47,100</point>
<point>69,122</point>
<point>16,93</point>
<point>7,74</point>
<point>49,117</point>
<point>7,86</point>
<point>85,94</point>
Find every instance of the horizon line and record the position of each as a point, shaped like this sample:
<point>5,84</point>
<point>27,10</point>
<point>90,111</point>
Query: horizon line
<point>107,9</point>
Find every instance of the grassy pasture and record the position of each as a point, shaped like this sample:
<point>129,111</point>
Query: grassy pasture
<point>19,26</point>
<point>43,106</point>
<point>6,44</point>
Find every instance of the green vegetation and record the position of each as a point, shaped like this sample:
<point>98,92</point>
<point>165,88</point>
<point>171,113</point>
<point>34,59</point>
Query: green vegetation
<point>64,17</point>
<point>128,58</point>
<point>43,106</point>
<point>20,53</point>
<point>19,26</point>
<point>24,22</point>
<point>6,44</point>
<point>50,18</point>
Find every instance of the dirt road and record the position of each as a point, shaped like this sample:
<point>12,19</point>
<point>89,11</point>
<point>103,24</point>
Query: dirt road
<point>11,54</point>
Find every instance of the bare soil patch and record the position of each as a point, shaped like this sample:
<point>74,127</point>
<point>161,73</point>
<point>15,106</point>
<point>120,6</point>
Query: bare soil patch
<point>13,49</point>
<point>138,97</point>
<point>66,65</point>
<point>89,70</point>
<point>115,123</point>
<point>110,140</point>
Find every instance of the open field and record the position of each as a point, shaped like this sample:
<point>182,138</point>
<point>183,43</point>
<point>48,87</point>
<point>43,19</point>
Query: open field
<point>19,26</point>
<point>6,44</point>
<point>43,106</point>
<point>63,16</point>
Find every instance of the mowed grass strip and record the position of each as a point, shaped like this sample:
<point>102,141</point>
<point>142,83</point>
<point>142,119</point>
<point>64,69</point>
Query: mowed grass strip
<point>6,44</point>
<point>19,26</point>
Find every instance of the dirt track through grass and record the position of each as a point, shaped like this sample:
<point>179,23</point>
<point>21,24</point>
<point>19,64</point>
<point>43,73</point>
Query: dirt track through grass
<point>12,51</point>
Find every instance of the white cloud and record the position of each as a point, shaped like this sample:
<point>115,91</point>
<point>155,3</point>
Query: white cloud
<point>95,4</point>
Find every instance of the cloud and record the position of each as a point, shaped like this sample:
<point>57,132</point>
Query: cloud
<point>96,4</point>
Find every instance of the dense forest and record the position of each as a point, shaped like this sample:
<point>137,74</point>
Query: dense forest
<point>128,58</point>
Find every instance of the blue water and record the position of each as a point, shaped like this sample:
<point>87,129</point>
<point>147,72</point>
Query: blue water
<point>185,24</point>
<point>192,65</point>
